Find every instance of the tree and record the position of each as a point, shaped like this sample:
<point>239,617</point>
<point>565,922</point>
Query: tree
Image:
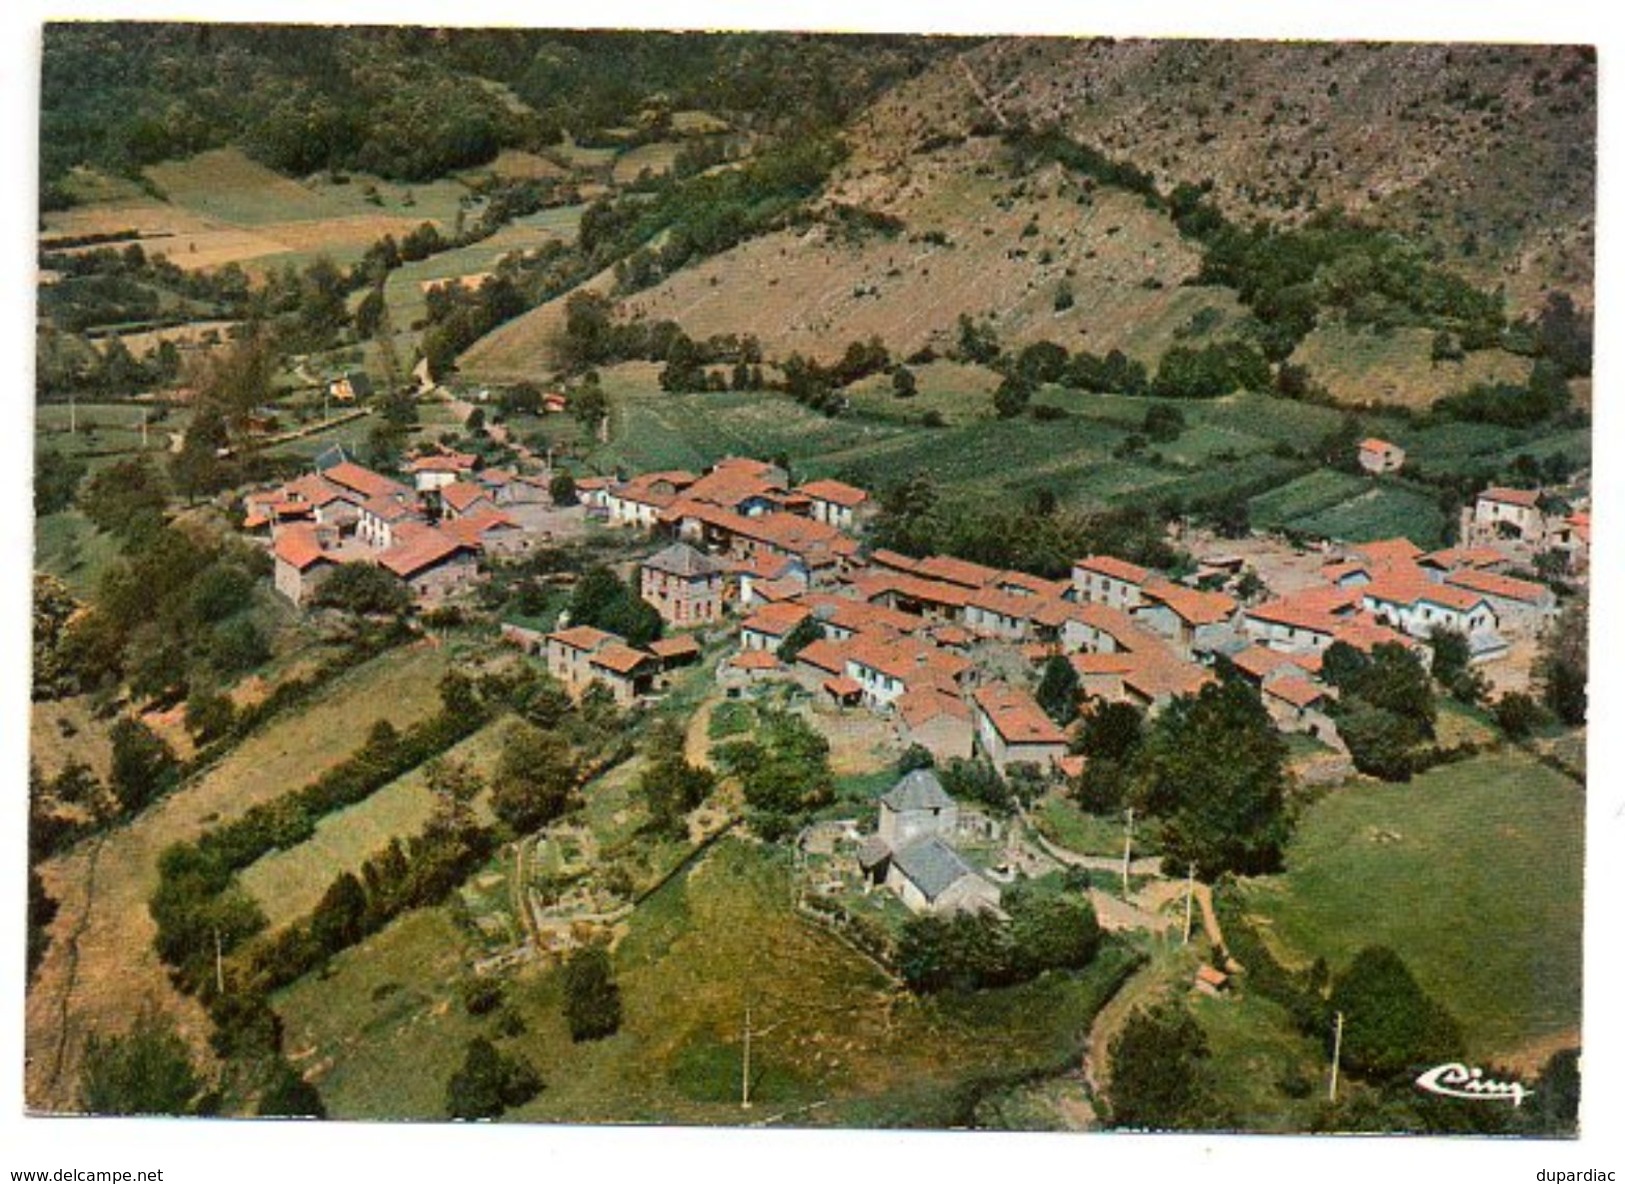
<point>1113,731</point>
<point>1380,743</point>
<point>363,589</point>
<point>1451,654</point>
<point>488,1083</point>
<point>535,779</point>
<point>1216,776</point>
<point>1051,932</point>
<point>1157,1078</point>
<point>209,715</point>
<point>903,383</point>
<point>339,918</point>
<point>56,480</point>
<point>806,631</point>
<point>1163,424</point>
<point>1391,1027</point>
<point>669,783</point>
<point>603,600</point>
<point>1058,690</point>
<point>1561,670</point>
<point>288,1095</point>
<point>592,998</point>
<point>1518,714</point>
<point>784,770</point>
<point>144,765</point>
<point>1012,396</point>
<point>147,1070</point>
<point>562,489</point>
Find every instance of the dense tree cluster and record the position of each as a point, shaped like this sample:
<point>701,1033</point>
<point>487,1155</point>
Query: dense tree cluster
<point>784,768</point>
<point>1385,710</point>
<point>1046,930</point>
<point>605,601</point>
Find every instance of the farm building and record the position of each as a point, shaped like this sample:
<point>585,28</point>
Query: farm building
<point>1012,729</point>
<point>301,562</point>
<point>431,563</point>
<point>1104,579</point>
<point>683,585</point>
<point>1508,513</point>
<point>1380,456</point>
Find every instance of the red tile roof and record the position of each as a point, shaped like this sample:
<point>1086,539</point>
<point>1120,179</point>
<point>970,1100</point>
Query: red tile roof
<point>1388,551</point>
<point>1527,498</point>
<point>1299,692</point>
<point>1505,587</point>
<point>460,495</point>
<point>836,492</point>
<point>843,687</point>
<point>910,660</point>
<point>957,571</point>
<point>473,528</point>
<point>424,549</point>
<point>776,620</point>
<point>754,660</point>
<point>364,481</point>
<point>681,646</point>
<point>315,489</point>
<point>1191,605</point>
<point>1372,444</point>
<point>298,546</point>
<point>443,462</point>
<point>1453,557</point>
<point>826,655</point>
<point>1409,587</point>
<point>1118,663</point>
<point>1114,568</point>
<point>619,659</point>
<point>1261,661</point>
<point>924,704</point>
<point>583,637</point>
<point>1016,716</point>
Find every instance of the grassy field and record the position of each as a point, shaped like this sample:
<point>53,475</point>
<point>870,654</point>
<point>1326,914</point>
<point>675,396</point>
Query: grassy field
<point>404,288</point>
<point>96,982</point>
<point>1062,821</point>
<point>67,546</point>
<point>288,884</point>
<point>1253,1050</point>
<point>1362,367</point>
<point>832,1036</point>
<point>1471,873</point>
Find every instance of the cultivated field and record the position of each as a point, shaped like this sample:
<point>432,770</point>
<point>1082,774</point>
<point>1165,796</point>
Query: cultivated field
<point>1485,855</point>
<point>835,1043</point>
<point>289,884</point>
<point>100,967</point>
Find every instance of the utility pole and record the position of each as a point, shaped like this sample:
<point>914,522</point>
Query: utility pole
<point>744,1079</point>
<point>1190,891</point>
<point>1128,849</point>
<point>1337,1055</point>
<point>143,429</point>
<point>73,416</point>
<point>219,964</point>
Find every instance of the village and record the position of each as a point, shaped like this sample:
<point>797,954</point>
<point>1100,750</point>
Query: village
<point>773,580</point>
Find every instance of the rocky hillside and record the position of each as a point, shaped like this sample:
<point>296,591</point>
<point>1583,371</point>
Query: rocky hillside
<point>1484,153</point>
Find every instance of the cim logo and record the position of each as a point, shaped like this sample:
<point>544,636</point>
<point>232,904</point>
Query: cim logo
<point>1456,1080</point>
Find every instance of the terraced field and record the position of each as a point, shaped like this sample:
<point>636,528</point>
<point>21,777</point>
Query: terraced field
<point>289,884</point>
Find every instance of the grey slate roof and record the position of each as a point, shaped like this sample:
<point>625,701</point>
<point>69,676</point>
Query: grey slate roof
<point>680,559</point>
<point>873,851</point>
<point>932,865</point>
<point>918,790</point>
